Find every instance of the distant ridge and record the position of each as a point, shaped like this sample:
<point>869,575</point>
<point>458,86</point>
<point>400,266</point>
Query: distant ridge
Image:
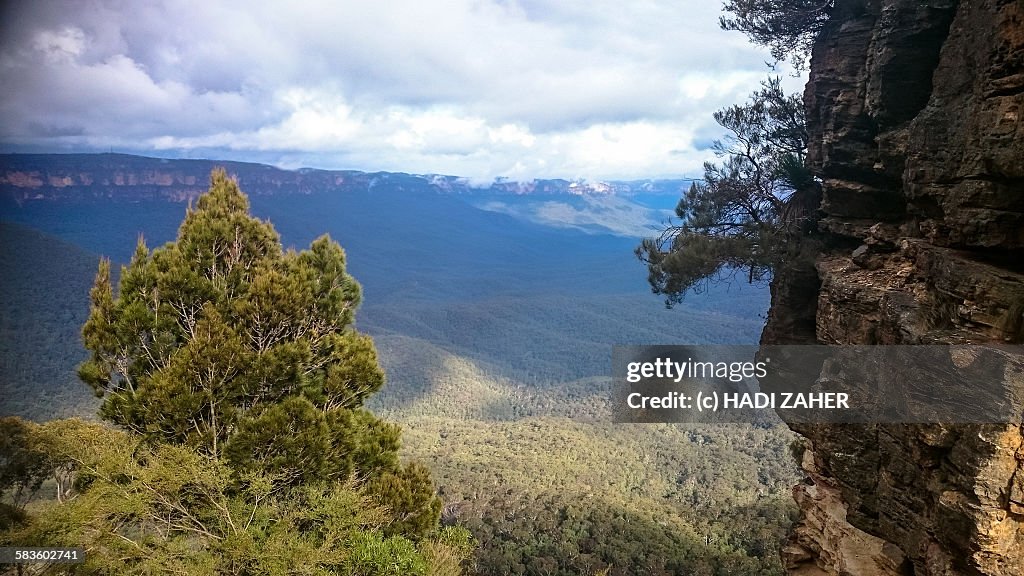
<point>28,177</point>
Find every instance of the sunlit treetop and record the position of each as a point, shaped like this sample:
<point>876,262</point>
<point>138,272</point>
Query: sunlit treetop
<point>223,341</point>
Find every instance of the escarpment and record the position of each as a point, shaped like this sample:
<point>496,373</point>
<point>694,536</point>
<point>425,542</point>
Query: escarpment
<point>916,117</point>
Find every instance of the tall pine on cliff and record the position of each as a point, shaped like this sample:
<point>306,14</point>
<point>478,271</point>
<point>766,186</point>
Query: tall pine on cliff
<point>750,214</point>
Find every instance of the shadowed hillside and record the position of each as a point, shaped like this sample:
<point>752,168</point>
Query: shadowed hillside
<point>44,287</point>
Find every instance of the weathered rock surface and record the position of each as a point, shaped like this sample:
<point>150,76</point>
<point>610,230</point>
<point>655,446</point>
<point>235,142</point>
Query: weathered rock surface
<point>916,116</point>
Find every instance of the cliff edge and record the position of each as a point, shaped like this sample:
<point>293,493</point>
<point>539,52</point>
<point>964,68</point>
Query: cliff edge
<point>916,117</point>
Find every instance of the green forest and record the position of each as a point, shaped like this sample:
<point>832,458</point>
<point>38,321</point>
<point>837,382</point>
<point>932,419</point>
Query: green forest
<point>511,461</point>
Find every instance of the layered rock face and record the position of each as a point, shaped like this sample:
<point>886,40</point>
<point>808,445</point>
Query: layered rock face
<point>916,116</point>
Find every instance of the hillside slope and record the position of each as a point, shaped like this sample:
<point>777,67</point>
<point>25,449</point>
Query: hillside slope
<point>44,288</point>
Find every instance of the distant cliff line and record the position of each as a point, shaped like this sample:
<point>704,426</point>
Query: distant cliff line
<point>27,177</point>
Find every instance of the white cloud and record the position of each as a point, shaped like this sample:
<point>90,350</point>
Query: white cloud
<point>60,46</point>
<point>554,88</point>
<point>512,134</point>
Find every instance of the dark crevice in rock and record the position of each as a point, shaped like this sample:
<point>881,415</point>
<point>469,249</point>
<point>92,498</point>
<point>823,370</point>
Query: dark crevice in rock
<point>928,207</point>
<point>1007,260</point>
<point>1006,91</point>
<point>905,54</point>
<point>993,178</point>
<point>794,296</point>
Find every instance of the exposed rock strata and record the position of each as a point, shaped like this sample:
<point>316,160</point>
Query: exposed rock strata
<point>916,116</point>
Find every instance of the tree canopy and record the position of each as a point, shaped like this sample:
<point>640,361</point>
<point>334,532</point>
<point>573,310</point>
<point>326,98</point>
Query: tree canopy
<point>741,216</point>
<point>224,342</point>
<point>786,27</point>
<point>142,508</point>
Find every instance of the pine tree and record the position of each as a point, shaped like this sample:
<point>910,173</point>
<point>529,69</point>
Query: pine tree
<point>786,27</point>
<point>751,213</point>
<point>223,342</point>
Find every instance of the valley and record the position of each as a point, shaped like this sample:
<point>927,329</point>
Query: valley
<point>495,329</point>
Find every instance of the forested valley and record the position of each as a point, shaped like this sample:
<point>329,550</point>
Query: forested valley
<point>495,336</point>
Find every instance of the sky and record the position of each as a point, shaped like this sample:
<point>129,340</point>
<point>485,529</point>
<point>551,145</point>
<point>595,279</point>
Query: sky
<point>522,89</point>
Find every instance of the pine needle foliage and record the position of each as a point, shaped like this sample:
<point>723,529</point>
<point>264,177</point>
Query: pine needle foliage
<point>224,343</point>
<point>786,27</point>
<point>744,218</point>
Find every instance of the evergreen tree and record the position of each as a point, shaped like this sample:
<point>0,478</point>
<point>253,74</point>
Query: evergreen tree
<point>749,212</point>
<point>222,342</point>
<point>786,27</point>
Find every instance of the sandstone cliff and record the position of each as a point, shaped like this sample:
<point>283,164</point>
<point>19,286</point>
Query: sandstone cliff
<point>916,116</point>
<point>83,177</point>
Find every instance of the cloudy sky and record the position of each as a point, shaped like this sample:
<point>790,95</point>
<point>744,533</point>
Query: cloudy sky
<point>480,88</point>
